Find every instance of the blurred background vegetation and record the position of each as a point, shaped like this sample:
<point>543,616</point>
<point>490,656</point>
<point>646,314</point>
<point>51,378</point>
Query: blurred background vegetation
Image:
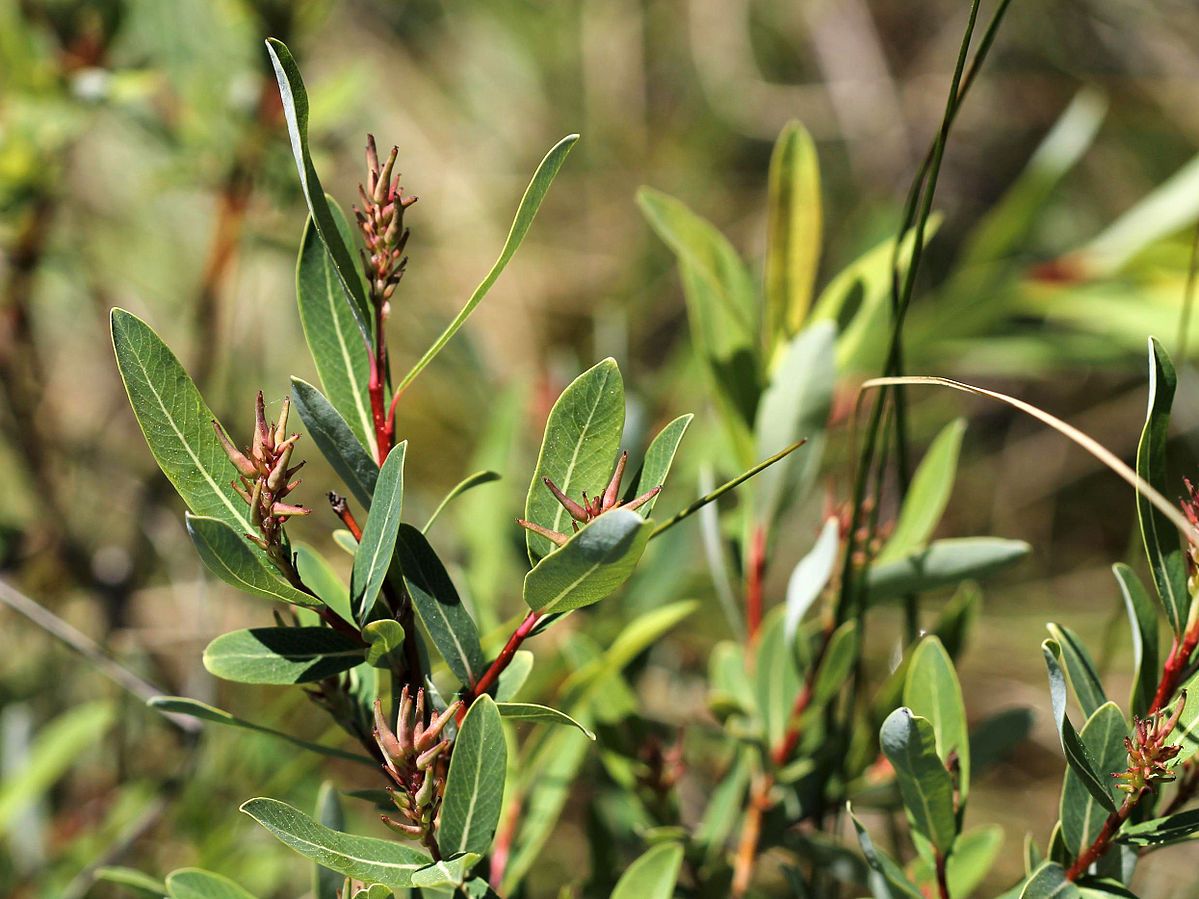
<point>143,163</point>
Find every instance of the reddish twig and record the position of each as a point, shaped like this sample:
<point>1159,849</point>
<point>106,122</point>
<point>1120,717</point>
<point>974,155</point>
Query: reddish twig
<point>751,833</point>
<point>341,509</point>
<point>502,847</point>
<point>484,683</point>
<point>942,881</point>
<point>1102,843</point>
<point>1175,665</point>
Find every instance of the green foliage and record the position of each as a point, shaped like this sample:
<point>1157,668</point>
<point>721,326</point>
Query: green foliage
<point>653,875</point>
<point>474,787</point>
<point>282,655</point>
<point>378,542</point>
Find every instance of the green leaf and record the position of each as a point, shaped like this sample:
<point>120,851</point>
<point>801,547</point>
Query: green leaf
<point>316,573</point>
<point>132,879</point>
<point>932,691</point>
<point>1077,756</point>
<point>193,883</point>
<point>590,566</point>
<point>513,677</point>
<point>474,480</point>
<point>364,858</point>
<point>724,805</point>
<point>1160,536</point>
<point>653,875</point>
<point>444,616</point>
<point>1142,620</point>
<point>942,564</point>
<point>793,231</point>
<point>578,451</point>
<point>474,787</point>
<point>55,749</point>
<point>967,866</point>
<point>295,110</point>
<point>722,309</point>
<point>230,557</point>
<point>528,711</point>
<point>337,443</point>
<point>1162,831</point>
<point>341,355</point>
<point>450,872</point>
<point>928,494</point>
<point>378,542</point>
<point>282,655</point>
<point>888,880</point>
<point>776,679</point>
<point>909,744</point>
<point>656,465</point>
<point>1049,881</point>
<point>386,637</point>
<point>1080,668</point>
<point>1186,732</point>
<point>525,213</point>
<point>839,660</point>
<point>327,884</point>
<point>795,406</point>
<point>811,576</point>
<point>1081,815</point>
<point>176,422</point>
<point>181,705</point>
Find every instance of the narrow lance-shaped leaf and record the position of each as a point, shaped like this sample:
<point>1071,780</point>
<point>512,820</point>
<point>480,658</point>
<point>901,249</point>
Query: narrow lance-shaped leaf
<point>909,744</point>
<point>437,603</point>
<point>590,565</point>
<point>538,187</point>
<point>540,714</point>
<point>1076,753</point>
<point>932,691</point>
<point>139,883</point>
<point>656,466</point>
<point>282,655</point>
<point>653,875</point>
<point>176,422</point>
<point>231,558</point>
<point>839,660</point>
<point>1142,620</point>
<point>364,858</point>
<point>1082,816</point>
<point>194,883</point>
<point>1186,733</point>
<point>1163,831</point>
<point>578,451</point>
<point>337,443</point>
<point>888,880</point>
<point>316,573</point>
<point>942,564</point>
<point>338,350</point>
<point>181,705</point>
<point>295,110</point>
<point>1161,538</point>
<point>776,679</point>
<point>793,235</point>
<point>722,310</point>
<point>810,576</point>
<point>928,494</point>
<point>795,406</point>
<point>474,788</point>
<point>377,545</point>
<point>470,481</point>
<point>1080,668</point>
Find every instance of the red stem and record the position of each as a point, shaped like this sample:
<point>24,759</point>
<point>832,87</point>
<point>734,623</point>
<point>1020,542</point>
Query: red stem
<point>755,568</point>
<point>501,662</point>
<point>1175,665</point>
<point>502,846</point>
<point>1102,842</point>
<point>942,881</point>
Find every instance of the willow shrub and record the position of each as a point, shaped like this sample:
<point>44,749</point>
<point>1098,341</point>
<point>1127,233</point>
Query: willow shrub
<point>805,733</point>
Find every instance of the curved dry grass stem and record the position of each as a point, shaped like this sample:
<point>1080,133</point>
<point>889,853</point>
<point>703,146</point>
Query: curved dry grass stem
<point>1092,446</point>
